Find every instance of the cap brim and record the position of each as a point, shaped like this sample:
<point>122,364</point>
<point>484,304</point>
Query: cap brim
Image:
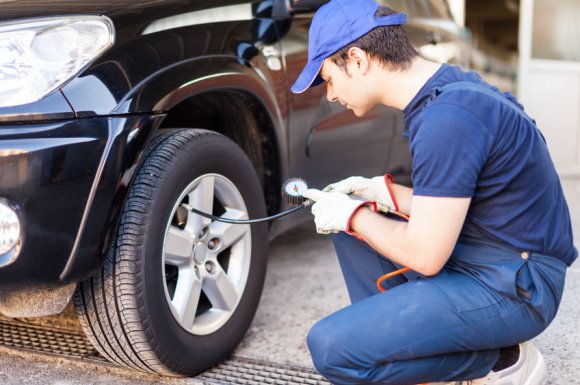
<point>309,77</point>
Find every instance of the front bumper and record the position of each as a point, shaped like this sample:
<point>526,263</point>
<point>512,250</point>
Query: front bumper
<point>46,171</point>
<point>67,180</point>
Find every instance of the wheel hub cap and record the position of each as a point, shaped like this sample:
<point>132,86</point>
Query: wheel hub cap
<point>199,253</point>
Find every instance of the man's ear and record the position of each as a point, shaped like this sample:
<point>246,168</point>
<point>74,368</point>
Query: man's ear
<point>359,58</point>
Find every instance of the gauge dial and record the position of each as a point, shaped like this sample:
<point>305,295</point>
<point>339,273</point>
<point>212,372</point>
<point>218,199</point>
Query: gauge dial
<point>293,189</point>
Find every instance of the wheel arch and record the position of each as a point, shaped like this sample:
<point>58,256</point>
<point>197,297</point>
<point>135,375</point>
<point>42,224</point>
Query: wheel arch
<point>220,94</point>
<point>242,117</point>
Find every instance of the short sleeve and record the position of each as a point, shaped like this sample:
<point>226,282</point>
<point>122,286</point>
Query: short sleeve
<point>449,147</point>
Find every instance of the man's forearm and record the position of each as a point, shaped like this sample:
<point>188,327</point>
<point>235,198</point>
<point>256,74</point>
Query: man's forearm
<point>390,238</point>
<point>425,242</point>
<point>403,196</point>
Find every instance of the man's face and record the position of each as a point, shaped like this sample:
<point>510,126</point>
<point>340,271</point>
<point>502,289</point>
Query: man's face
<point>347,86</point>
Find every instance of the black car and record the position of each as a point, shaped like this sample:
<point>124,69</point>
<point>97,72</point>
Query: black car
<point>117,118</point>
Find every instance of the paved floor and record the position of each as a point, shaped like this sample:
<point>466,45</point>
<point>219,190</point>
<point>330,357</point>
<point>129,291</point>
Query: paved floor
<point>304,284</point>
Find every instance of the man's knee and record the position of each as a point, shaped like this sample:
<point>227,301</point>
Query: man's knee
<point>322,343</point>
<point>330,352</point>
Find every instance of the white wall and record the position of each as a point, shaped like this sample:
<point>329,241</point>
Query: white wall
<point>549,76</point>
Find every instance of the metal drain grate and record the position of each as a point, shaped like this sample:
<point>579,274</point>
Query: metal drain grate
<point>46,340</point>
<point>254,372</point>
<point>73,344</point>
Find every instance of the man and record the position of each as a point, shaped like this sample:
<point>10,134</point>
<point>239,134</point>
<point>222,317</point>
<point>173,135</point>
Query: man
<point>489,235</point>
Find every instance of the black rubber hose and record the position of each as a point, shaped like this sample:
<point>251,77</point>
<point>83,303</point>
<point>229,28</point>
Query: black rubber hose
<point>249,221</point>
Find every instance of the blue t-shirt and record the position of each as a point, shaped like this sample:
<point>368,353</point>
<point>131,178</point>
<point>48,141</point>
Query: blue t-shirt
<point>466,143</point>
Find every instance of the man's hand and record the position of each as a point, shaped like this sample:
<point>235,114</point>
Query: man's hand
<point>333,210</point>
<point>376,189</point>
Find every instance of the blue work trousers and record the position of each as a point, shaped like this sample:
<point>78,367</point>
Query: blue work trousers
<point>446,327</point>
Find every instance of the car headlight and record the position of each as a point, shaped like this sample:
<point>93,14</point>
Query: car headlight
<point>39,55</point>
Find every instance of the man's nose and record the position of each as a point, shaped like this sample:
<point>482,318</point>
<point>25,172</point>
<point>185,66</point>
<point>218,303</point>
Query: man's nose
<point>330,95</point>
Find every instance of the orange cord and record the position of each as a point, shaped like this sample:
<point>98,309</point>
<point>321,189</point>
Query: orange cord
<point>396,272</point>
<point>390,275</point>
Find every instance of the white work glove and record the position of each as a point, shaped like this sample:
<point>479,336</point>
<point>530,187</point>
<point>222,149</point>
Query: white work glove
<point>333,210</point>
<point>376,189</point>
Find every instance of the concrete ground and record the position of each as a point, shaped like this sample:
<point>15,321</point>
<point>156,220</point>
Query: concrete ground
<point>303,285</point>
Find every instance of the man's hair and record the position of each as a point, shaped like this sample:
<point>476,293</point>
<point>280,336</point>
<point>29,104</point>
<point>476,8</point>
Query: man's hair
<point>389,44</point>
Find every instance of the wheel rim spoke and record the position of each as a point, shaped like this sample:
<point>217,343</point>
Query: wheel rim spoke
<point>230,233</point>
<point>186,299</point>
<point>178,246</point>
<point>220,290</point>
<point>201,198</point>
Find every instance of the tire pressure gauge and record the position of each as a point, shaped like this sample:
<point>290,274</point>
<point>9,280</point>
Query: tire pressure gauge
<point>293,189</point>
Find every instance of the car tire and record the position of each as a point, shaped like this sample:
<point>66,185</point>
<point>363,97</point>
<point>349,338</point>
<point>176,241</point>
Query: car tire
<point>177,291</point>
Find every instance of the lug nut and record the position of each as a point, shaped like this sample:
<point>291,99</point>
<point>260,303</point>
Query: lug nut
<point>209,267</point>
<point>213,243</point>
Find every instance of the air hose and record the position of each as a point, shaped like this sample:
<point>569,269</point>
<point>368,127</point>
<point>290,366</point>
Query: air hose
<point>292,191</point>
<point>249,221</point>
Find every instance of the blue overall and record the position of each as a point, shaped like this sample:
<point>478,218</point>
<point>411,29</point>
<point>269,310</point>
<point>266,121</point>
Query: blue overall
<point>450,326</point>
<point>441,328</point>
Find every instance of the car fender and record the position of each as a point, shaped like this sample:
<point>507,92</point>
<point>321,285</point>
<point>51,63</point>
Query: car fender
<point>168,87</point>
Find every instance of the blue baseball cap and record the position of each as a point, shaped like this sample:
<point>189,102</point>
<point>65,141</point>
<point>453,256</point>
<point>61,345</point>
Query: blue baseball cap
<point>334,26</point>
